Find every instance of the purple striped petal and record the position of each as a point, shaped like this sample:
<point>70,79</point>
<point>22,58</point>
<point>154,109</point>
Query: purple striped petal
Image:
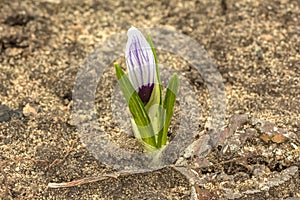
<point>140,63</point>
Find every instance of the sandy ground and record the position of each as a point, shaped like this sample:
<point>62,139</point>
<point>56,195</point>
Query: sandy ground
<point>254,43</point>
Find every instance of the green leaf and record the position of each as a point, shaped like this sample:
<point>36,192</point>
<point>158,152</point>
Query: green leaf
<point>169,102</point>
<point>155,97</point>
<point>137,135</point>
<point>136,107</point>
<point>157,70</point>
<point>158,118</point>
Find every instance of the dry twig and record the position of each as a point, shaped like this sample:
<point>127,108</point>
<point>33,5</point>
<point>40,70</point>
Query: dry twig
<point>82,181</point>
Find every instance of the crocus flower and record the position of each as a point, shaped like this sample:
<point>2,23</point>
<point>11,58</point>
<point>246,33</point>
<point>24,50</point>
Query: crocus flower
<point>140,63</point>
<point>151,114</point>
